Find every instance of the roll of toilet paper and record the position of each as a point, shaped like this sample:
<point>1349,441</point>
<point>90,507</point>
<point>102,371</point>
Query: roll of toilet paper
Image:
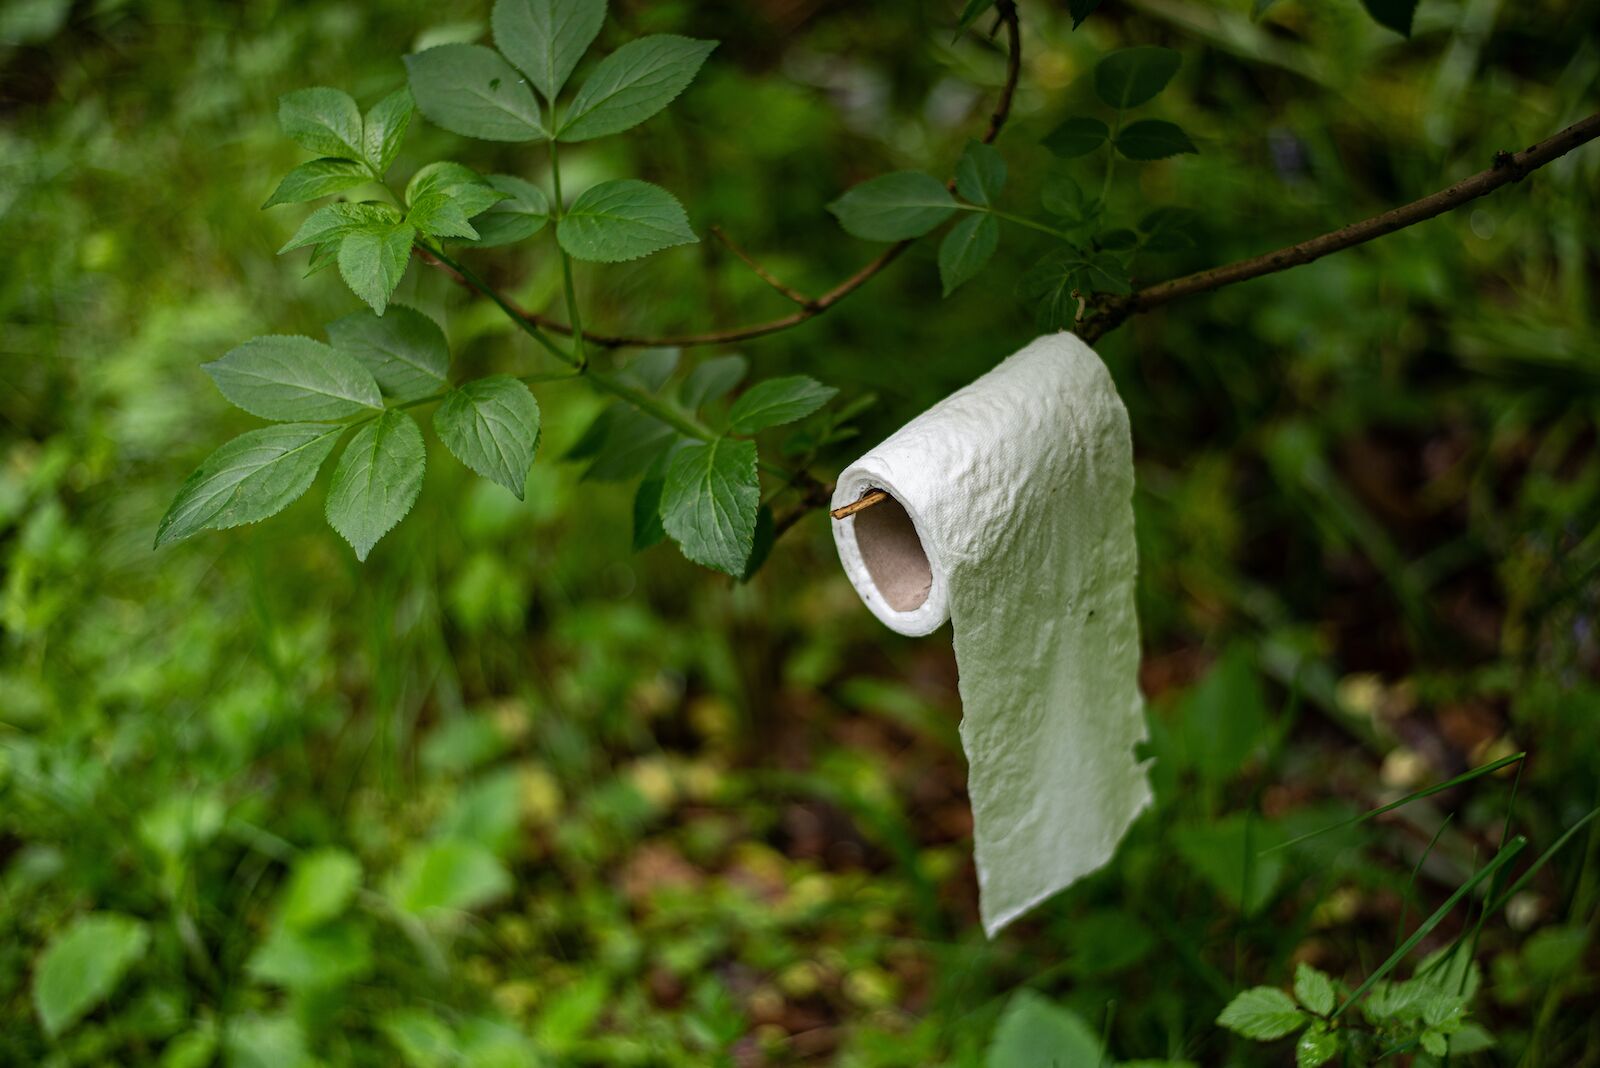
<point>1011,515</point>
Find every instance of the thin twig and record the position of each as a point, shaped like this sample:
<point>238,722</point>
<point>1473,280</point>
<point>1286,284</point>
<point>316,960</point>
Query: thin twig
<point>810,309</point>
<point>761,272</point>
<point>1508,167</point>
<point>865,501</point>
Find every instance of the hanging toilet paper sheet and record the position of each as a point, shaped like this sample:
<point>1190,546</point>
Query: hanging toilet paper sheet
<point>1011,514</point>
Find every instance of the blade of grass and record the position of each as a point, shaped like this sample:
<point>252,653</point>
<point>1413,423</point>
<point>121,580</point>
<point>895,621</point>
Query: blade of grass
<point>1533,869</point>
<point>1428,791</point>
<point>1504,857</point>
<point>1411,883</point>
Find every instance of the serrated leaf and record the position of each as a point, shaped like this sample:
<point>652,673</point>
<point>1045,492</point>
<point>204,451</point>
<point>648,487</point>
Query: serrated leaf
<point>632,84</point>
<point>711,380</point>
<point>1104,273</point>
<point>777,401</point>
<point>254,476</point>
<point>1050,284</point>
<point>761,543</point>
<point>980,174</point>
<point>709,502</point>
<point>1060,195</point>
<point>302,960</point>
<point>546,38</point>
<point>469,90</point>
<point>1262,1012</point>
<point>522,213</point>
<point>447,876</point>
<point>1080,10</point>
<point>623,220</point>
<point>1150,139</point>
<point>83,964</point>
<point>1034,1033</point>
<point>1394,14</point>
<point>647,528</point>
<point>373,259</point>
<point>332,222</point>
<point>292,379</point>
<point>404,350</point>
<point>965,249</point>
<point>377,480</point>
<point>325,121</point>
<point>492,426</point>
<point>320,888</point>
<point>1314,989</point>
<point>894,207</point>
<point>1316,1047</point>
<point>1077,137</point>
<point>465,186</point>
<point>437,215</point>
<point>323,256</point>
<point>385,127</point>
<point>1432,1041</point>
<point>1131,76</point>
<point>318,178</point>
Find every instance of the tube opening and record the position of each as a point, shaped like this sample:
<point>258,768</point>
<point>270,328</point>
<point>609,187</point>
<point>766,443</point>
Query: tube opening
<point>893,553</point>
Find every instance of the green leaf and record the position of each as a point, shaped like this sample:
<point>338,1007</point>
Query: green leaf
<point>546,38</point>
<point>1395,14</point>
<point>709,503</point>
<point>1077,137</point>
<point>1314,989</point>
<point>1150,139</point>
<point>1105,273</point>
<point>971,10</point>
<point>521,214</point>
<point>650,368</point>
<point>1080,10</point>
<point>492,426</point>
<point>630,442</point>
<point>321,887</point>
<point>470,190</point>
<point>980,174</point>
<point>254,476</point>
<point>1223,720</point>
<point>83,964</point>
<point>1119,240</point>
<point>1262,1012</point>
<point>1034,1032</point>
<point>385,127</point>
<point>315,960</point>
<point>318,178</point>
<point>1131,76</point>
<point>325,121</point>
<point>632,84</point>
<point>1063,197</point>
<point>377,480</point>
<point>294,379</point>
<point>777,401</point>
<point>437,215</point>
<point>1167,229</point>
<point>404,350</point>
<point>647,528</point>
<point>469,90</point>
<point>331,222</point>
<point>1316,1047</point>
<point>1226,854</point>
<point>711,380</point>
<point>447,876</point>
<point>623,220</point>
<point>423,1041</point>
<point>966,248</point>
<point>766,535</point>
<point>894,207</point>
<point>372,260</point>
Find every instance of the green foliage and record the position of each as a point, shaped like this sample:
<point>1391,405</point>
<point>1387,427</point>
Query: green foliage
<point>1395,14</point>
<point>1034,1032</point>
<point>82,966</point>
<point>894,207</point>
<point>777,401</point>
<point>447,876</point>
<point>320,888</point>
<point>377,480</point>
<point>404,350</point>
<point>374,256</point>
<point>470,90</point>
<point>966,249</point>
<point>623,220</point>
<point>1150,139</point>
<point>294,379</point>
<point>708,503</point>
<point>1262,1012</point>
<point>546,38</point>
<point>632,84</point>
<point>522,213</point>
<point>252,477</point>
<point>492,425</point>
<point>318,178</point>
<point>324,121</point>
<point>1078,136</point>
<point>980,174</point>
<point>1132,76</point>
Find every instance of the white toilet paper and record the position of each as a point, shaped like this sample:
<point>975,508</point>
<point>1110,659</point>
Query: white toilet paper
<point>1012,516</point>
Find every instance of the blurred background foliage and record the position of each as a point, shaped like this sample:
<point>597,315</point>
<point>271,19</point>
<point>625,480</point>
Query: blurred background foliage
<point>508,794</point>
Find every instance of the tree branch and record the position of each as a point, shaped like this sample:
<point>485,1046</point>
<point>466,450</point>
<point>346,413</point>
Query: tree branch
<point>1508,167</point>
<point>809,308</point>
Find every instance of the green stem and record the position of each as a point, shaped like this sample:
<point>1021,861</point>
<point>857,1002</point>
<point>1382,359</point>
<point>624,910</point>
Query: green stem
<point>1021,220</point>
<point>489,291</point>
<point>557,208</point>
